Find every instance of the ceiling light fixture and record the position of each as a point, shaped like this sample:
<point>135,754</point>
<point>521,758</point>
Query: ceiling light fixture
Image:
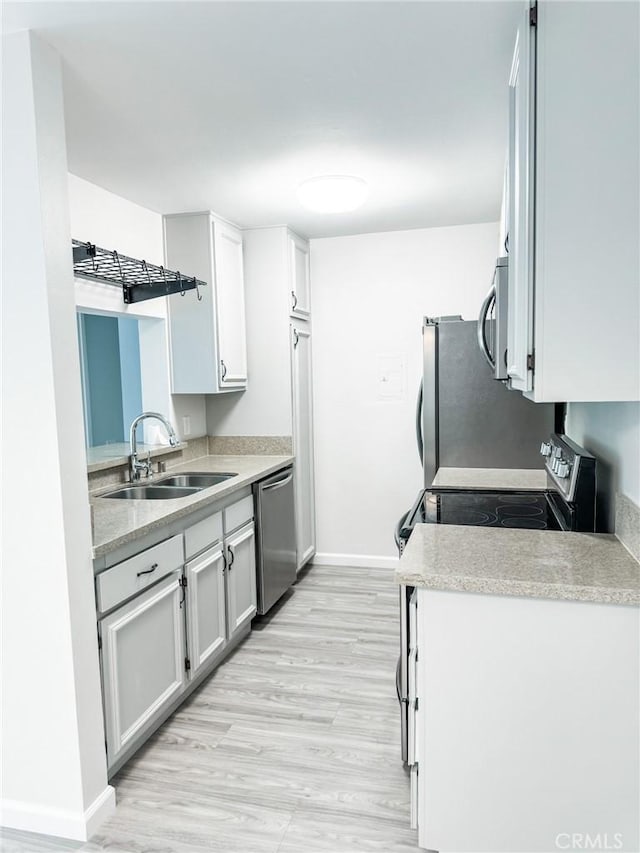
<point>333,193</point>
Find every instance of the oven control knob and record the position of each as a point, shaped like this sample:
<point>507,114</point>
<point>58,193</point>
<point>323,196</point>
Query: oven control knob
<point>545,449</point>
<point>563,470</point>
<point>557,452</point>
<point>557,464</point>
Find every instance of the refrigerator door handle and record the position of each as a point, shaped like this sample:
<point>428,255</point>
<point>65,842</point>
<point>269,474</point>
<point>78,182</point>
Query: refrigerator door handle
<point>419,436</point>
<point>482,320</point>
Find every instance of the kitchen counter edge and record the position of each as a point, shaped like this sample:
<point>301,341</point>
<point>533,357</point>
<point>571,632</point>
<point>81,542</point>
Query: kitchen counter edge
<point>116,515</point>
<point>556,565</point>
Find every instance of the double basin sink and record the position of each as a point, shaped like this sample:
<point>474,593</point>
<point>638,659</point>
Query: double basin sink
<point>175,486</point>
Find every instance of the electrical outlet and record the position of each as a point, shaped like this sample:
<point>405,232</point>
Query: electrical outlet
<point>186,425</point>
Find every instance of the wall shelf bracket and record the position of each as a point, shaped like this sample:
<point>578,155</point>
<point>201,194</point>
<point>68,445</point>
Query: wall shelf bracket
<point>138,279</point>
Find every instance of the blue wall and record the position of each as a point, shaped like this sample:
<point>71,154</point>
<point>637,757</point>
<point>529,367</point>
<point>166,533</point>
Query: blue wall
<point>110,348</point>
<point>129,335</point>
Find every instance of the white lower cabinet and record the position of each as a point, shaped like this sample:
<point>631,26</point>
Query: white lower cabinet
<point>143,662</point>
<point>241,579</point>
<point>413,729</point>
<point>526,724</point>
<point>206,611</point>
<point>158,641</point>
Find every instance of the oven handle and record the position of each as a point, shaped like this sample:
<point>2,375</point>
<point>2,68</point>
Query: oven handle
<point>399,526</point>
<point>401,699</point>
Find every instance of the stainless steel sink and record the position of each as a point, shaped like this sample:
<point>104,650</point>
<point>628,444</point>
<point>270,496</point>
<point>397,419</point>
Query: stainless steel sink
<point>152,493</point>
<point>199,480</point>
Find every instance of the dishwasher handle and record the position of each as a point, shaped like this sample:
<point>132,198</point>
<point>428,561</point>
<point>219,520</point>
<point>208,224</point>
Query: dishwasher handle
<point>277,484</point>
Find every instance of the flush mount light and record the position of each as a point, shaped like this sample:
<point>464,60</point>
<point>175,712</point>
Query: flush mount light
<point>332,193</point>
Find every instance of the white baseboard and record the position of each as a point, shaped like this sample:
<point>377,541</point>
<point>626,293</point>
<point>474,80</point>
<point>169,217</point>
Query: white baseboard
<point>358,561</point>
<point>61,823</point>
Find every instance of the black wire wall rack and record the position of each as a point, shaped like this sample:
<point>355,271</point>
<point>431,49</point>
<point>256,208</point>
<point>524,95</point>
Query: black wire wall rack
<point>139,280</point>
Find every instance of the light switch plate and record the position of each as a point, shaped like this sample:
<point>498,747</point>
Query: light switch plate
<point>391,376</point>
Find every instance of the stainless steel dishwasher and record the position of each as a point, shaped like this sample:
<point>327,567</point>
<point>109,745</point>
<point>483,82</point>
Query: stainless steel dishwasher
<point>276,529</point>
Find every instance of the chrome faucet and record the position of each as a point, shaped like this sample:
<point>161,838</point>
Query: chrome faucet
<point>136,467</point>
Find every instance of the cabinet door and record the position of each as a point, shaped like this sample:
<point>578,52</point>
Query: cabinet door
<point>413,757</point>
<point>521,197</point>
<point>206,611</point>
<point>303,443</point>
<point>299,277</point>
<point>232,343</point>
<point>192,326</point>
<point>241,578</point>
<point>143,656</point>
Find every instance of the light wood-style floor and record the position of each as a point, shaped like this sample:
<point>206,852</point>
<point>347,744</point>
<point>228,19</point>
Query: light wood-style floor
<point>291,746</point>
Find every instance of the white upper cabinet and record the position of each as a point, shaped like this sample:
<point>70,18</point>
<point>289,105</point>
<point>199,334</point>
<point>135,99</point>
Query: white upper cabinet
<point>520,206</point>
<point>277,263</point>
<point>207,337</point>
<point>299,277</point>
<point>232,343</point>
<point>302,398</point>
<point>574,255</point>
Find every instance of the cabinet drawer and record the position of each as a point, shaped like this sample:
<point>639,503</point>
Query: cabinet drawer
<point>238,514</point>
<point>135,574</point>
<point>203,534</point>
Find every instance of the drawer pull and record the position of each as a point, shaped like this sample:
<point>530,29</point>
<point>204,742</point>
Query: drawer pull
<point>148,571</point>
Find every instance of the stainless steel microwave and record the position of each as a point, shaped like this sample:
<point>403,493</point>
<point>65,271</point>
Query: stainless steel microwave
<point>493,319</point>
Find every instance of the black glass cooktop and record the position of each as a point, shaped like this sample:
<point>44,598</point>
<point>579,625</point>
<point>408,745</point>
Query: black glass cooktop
<point>524,510</point>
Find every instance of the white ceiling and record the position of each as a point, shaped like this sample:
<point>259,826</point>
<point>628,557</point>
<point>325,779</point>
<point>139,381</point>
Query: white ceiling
<point>185,106</point>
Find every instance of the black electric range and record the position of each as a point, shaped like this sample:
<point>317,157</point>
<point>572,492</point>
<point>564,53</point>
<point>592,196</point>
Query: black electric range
<point>483,508</point>
<point>568,503</point>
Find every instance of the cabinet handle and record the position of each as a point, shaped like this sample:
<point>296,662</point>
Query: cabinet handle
<point>231,558</point>
<point>296,338</point>
<point>294,300</point>
<point>224,561</point>
<point>224,370</point>
<point>148,571</point>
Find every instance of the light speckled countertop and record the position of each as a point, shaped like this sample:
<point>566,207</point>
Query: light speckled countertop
<point>531,563</point>
<point>116,522</point>
<point>490,478</point>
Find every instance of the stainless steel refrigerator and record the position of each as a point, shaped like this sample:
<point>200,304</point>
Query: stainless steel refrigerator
<point>465,417</point>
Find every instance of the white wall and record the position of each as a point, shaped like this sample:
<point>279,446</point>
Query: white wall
<point>54,775</point>
<point>611,431</point>
<point>112,222</point>
<point>370,293</point>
